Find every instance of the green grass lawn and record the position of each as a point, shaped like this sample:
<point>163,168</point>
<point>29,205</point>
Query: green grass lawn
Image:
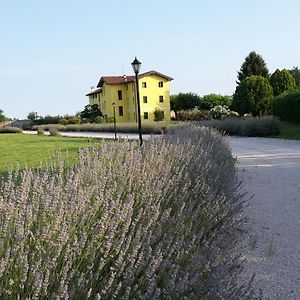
<point>30,150</point>
<point>290,131</point>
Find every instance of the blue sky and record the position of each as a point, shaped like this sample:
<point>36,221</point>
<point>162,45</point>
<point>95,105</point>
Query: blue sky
<point>53,51</point>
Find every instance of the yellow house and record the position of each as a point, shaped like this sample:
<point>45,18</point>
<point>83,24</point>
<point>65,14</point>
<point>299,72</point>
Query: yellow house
<point>154,90</point>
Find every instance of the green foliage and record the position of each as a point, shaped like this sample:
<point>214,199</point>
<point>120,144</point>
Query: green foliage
<point>10,130</point>
<point>281,81</point>
<point>48,120</point>
<point>253,95</point>
<point>103,119</point>
<point>91,112</point>
<point>193,115</point>
<point>32,116</point>
<point>184,101</point>
<point>295,72</point>
<point>70,120</point>
<point>158,115</point>
<point>253,65</point>
<point>264,126</point>
<point>212,100</point>
<point>2,117</point>
<point>287,106</point>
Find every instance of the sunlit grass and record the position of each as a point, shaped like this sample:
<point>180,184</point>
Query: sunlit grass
<point>30,150</point>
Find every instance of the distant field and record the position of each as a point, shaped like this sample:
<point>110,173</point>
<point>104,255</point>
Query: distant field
<point>30,150</point>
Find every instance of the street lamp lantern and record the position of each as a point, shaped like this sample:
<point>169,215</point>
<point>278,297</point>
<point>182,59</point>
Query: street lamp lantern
<point>114,112</point>
<point>136,65</point>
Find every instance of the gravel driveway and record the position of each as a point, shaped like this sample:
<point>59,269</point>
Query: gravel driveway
<point>270,170</point>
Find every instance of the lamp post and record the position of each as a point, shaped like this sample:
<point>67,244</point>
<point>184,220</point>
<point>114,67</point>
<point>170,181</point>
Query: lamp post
<point>115,126</point>
<point>136,65</point>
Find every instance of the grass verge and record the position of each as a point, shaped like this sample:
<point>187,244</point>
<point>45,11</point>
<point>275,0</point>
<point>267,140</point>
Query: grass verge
<point>30,150</point>
<point>289,131</point>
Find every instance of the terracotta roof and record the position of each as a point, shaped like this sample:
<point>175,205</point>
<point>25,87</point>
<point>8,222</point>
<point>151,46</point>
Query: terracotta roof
<point>125,79</point>
<point>156,73</point>
<point>96,91</point>
<point>115,80</point>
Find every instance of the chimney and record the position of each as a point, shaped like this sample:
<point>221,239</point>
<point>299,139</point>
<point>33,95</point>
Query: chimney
<point>92,88</point>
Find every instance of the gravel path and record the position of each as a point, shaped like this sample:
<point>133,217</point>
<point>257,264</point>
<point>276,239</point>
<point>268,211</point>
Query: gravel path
<point>270,170</point>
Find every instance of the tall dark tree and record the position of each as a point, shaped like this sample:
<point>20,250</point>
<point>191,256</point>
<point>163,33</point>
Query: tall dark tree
<point>295,72</point>
<point>253,95</point>
<point>281,81</point>
<point>253,65</point>
<point>91,112</point>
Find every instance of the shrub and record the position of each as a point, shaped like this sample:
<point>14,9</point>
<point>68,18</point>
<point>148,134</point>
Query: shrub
<point>193,115</point>
<point>54,131</point>
<point>109,127</point>
<point>264,126</point>
<point>158,115</point>
<point>40,130</point>
<point>10,130</point>
<point>104,119</point>
<point>159,223</point>
<point>287,106</point>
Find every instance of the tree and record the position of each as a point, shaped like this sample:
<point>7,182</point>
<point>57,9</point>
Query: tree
<point>91,112</point>
<point>32,116</point>
<point>281,81</point>
<point>211,100</point>
<point>2,117</point>
<point>253,65</point>
<point>184,101</point>
<point>253,95</point>
<point>295,72</point>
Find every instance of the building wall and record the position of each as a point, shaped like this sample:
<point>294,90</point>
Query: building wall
<point>148,86</point>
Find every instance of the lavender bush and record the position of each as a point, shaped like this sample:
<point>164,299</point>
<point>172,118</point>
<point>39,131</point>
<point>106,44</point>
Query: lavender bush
<point>157,222</point>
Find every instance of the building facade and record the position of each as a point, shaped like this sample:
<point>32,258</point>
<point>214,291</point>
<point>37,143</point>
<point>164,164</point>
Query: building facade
<point>154,90</point>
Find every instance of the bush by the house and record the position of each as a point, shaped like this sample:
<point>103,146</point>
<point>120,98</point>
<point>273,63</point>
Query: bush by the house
<point>264,126</point>
<point>161,223</point>
<point>193,115</point>
<point>158,115</point>
<point>287,106</point>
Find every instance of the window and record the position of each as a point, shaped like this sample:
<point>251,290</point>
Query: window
<point>161,99</point>
<point>146,115</point>
<point>145,100</point>
<point>119,94</point>
<point>144,84</point>
<point>121,113</point>
<point>160,84</point>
